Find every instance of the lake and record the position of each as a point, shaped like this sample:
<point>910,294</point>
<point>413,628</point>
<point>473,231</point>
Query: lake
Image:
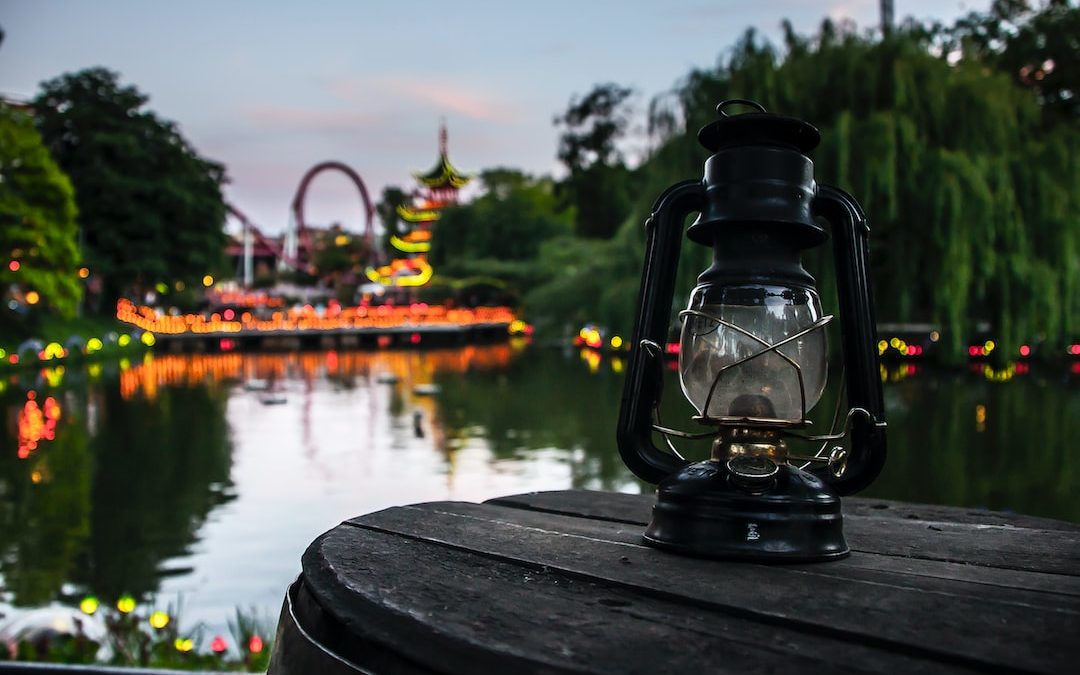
<point>176,477</point>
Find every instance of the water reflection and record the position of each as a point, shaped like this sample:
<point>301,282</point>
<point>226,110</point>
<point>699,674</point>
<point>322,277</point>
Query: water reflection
<point>177,475</point>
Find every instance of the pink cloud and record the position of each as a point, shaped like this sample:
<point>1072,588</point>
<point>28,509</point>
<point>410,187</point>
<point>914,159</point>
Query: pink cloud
<point>452,98</point>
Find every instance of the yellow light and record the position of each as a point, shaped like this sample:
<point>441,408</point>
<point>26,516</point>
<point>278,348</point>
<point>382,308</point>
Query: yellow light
<point>409,246</point>
<point>3,353</point>
<point>93,345</point>
<point>89,605</point>
<point>583,333</point>
<point>54,350</point>
<point>208,281</point>
<point>180,285</point>
<point>895,343</point>
<point>161,287</point>
<point>980,414</point>
<point>158,620</point>
<point>184,644</point>
<point>882,346</point>
<point>616,342</point>
<point>148,339</point>
<point>934,336</point>
<point>36,476</point>
<point>616,365</point>
<point>32,298</point>
<point>126,604</point>
<point>124,340</point>
<point>84,272</point>
<point>341,240</point>
<point>989,346</point>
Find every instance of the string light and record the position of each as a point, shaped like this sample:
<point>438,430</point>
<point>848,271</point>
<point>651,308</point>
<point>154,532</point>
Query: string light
<point>158,620</point>
<point>89,605</point>
<point>126,604</point>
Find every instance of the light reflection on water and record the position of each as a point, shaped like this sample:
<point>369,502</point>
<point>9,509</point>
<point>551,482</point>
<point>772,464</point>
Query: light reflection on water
<point>177,475</point>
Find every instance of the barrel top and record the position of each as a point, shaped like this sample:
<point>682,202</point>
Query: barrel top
<point>560,582</point>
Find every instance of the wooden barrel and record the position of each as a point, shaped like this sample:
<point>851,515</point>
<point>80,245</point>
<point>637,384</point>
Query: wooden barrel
<point>561,583</point>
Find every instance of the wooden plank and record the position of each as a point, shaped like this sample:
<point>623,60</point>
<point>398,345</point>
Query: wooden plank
<point>955,627</point>
<point>1001,546</point>
<point>477,614</point>
<point>887,508</point>
<point>636,508</point>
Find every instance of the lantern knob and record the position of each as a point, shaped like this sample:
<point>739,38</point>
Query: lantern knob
<point>752,471</point>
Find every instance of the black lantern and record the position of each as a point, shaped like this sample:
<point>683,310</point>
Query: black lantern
<point>752,356</point>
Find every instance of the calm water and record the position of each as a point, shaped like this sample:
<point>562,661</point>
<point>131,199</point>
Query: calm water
<point>172,477</point>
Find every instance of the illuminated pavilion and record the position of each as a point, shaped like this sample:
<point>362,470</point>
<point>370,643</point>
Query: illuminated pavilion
<point>438,188</point>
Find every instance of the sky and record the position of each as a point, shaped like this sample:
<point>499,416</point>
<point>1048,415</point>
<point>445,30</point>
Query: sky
<point>272,88</point>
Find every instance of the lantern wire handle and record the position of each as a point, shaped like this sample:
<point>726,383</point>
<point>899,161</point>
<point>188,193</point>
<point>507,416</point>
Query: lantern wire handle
<point>738,101</point>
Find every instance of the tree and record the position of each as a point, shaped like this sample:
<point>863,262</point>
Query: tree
<point>599,185</point>
<point>508,223</point>
<point>37,210</point>
<point>1038,48</point>
<point>151,208</point>
<point>392,198</point>
<point>970,179</point>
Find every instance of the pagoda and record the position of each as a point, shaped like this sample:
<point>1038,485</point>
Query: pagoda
<point>437,189</point>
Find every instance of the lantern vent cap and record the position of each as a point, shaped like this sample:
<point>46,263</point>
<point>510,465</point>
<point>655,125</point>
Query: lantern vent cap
<point>757,128</point>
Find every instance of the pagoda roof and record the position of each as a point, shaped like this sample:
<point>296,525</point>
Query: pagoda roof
<point>443,175</point>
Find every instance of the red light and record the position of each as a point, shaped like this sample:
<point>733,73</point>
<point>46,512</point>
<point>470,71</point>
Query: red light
<point>973,351</point>
<point>383,341</point>
<point>1076,368</point>
<point>255,644</point>
<point>14,358</point>
<point>672,348</point>
<point>1022,368</point>
<point>1025,350</point>
<point>14,265</point>
<point>1074,349</point>
<point>415,338</point>
<point>227,345</point>
<point>218,645</point>
<point>228,314</point>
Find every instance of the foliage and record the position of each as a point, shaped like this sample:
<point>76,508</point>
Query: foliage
<point>599,185</point>
<point>130,640</point>
<point>150,207</point>
<point>338,258</point>
<point>1040,48</point>
<point>392,198</point>
<point>973,192</point>
<point>499,232</point>
<point>38,229</point>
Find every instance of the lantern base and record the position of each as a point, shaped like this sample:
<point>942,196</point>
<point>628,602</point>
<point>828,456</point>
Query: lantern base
<point>702,510</point>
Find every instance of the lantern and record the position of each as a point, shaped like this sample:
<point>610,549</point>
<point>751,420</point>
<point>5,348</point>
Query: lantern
<point>753,352</point>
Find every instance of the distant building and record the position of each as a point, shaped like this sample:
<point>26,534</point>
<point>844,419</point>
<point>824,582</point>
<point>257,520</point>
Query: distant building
<point>437,189</point>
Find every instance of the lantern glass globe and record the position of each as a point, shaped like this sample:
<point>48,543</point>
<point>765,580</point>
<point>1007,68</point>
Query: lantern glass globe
<point>766,386</point>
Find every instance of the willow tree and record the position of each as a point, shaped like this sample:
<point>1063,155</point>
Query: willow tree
<point>973,193</point>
